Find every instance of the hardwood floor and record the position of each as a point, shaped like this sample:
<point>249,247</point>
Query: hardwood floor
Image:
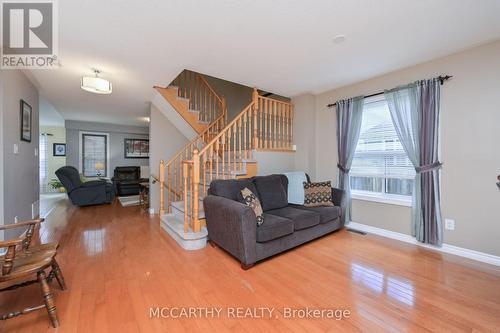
<point>118,263</point>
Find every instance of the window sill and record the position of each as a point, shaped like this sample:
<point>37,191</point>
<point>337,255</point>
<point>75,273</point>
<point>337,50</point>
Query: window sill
<point>389,200</point>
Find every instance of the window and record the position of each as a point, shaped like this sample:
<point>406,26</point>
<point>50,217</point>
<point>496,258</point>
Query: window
<point>94,154</point>
<point>380,167</point>
<point>43,149</point>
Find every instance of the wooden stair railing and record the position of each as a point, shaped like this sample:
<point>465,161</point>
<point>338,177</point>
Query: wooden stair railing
<point>265,124</point>
<point>174,171</point>
<point>202,97</point>
<point>213,109</point>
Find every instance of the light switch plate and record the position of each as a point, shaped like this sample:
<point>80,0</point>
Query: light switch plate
<point>449,224</point>
<point>36,151</point>
<point>16,149</point>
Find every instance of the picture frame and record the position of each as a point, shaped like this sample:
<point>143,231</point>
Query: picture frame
<point>59,149</point>
<point>26,121</point>
<point>136,148</point>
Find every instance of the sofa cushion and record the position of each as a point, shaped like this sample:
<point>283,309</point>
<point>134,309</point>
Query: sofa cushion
<point>272,193</point>
<point>301,218</point>
<point>275,227</point>
<point>326,214</point>
<point>129,182</point>
<point>251,200</point>
<point>231,188</point>
<point>318,194</point>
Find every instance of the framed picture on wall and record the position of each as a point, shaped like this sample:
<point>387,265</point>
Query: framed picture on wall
<point>25,121</point>
<point>136,148</point>
<point>59,149</point>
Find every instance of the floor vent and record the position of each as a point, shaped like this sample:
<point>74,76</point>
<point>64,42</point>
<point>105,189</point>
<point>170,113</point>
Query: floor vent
<point>356,231</point>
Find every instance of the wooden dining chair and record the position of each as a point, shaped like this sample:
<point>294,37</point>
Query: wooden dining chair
<point>22,261</point>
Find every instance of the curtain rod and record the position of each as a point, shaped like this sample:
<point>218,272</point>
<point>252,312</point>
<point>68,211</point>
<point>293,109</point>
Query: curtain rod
<point>440,78</point>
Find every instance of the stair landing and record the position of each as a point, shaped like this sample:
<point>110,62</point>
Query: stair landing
<point>174,226</point>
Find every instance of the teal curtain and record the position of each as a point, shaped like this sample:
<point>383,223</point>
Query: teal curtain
<point>415,113</point>
<point>349,117</point>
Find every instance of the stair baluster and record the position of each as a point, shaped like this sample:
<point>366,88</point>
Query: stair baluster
<point>222,150</point>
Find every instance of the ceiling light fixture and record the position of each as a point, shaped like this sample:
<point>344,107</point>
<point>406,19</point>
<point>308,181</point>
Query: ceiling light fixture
<point>96,85</point>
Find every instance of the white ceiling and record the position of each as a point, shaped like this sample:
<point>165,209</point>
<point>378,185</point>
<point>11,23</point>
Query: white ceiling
<point>282,46</point>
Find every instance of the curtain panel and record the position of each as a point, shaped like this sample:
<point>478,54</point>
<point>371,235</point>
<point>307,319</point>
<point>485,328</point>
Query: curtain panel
<point>349,117</point>
<point>415,112</point>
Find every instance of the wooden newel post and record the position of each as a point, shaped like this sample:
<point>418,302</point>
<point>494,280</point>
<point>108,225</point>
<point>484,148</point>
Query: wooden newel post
<point>255,100</point>
<point>185,180</point>
<point>196,191</point>
<point>162,187</point>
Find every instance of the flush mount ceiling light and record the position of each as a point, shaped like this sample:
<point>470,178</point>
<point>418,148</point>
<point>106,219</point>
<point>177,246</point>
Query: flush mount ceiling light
<point>96,85</point>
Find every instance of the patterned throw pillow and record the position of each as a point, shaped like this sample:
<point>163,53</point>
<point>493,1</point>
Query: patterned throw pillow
<point>253,202</point>
<point>318,194</point>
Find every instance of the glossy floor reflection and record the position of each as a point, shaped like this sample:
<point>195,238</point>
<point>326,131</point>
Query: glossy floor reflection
<point>394,287</point>
<point>94,241</point>
<point>118,263</point>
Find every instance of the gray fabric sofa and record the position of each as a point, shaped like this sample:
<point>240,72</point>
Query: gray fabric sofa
<point>232,225</point>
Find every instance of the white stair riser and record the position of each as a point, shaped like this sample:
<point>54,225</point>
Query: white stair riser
<point>175,228</point>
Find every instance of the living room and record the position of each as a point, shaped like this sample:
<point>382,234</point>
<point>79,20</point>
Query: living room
<point>279,166</point>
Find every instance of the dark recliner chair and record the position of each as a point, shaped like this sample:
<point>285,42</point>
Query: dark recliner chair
<point>94,192</point>
<point>127,180</point>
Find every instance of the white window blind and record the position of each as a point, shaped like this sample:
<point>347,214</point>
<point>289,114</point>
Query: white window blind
<point>94,155</point>
<point>43,149</point>
<point>380,164</point>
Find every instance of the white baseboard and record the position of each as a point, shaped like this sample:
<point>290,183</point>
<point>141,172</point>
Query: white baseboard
<point>446,248</point>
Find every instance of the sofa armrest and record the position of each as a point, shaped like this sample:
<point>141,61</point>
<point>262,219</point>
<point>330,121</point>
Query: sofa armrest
<point>339,199</point>
<point>233,226</point>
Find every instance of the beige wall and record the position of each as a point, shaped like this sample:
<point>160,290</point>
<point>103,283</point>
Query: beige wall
<point>470,137</point>
<point>20,170</point>
<point>164,142</point>
<point>304,124</point>
<point>1,158</point>
<point>54,162</point>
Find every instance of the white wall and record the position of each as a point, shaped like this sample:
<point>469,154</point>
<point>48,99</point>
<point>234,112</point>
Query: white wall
<point>470,137</point>
<point>165,141</point>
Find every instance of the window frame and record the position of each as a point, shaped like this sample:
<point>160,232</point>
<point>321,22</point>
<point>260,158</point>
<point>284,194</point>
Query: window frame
<point>380,197</point>
<point>82,152</point>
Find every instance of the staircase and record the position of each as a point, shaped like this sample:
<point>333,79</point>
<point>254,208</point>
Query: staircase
<point>220,150</point>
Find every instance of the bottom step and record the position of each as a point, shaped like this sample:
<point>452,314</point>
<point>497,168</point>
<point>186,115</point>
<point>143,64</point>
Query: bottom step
<point>190,241</point>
